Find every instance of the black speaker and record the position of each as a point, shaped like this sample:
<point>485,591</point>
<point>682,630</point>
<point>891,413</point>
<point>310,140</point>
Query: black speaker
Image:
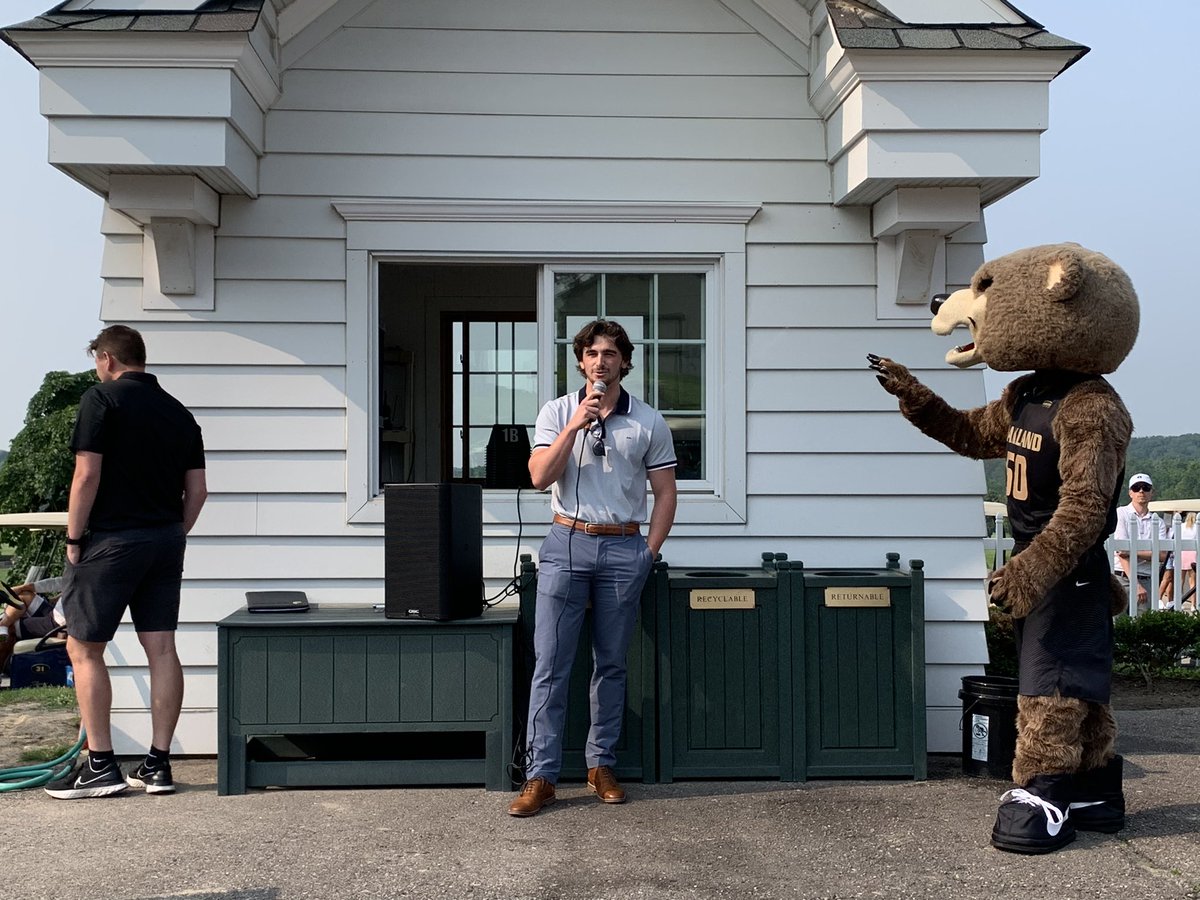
<point>432,551</point>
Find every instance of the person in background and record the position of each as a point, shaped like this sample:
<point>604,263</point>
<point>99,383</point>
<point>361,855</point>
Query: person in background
<point>1166,582</point>
<point>1187,561</point>
<point>138,487</point>
<point>1136,520</point>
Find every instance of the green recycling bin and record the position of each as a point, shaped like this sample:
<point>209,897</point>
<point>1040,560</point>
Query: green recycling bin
<point>637,748</point>
<point>725,673</point>
<point>861,670</point>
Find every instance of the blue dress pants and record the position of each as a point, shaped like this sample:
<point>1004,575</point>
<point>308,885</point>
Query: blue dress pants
<point>573,567</point>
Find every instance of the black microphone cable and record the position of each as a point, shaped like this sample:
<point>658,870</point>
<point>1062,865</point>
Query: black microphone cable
<point>521,754</point>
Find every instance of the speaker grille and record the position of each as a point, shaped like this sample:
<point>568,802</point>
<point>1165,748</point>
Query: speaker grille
<point>433,551</point>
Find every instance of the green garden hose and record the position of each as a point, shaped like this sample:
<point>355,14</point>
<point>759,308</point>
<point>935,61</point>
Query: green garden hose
<point>22,777</point>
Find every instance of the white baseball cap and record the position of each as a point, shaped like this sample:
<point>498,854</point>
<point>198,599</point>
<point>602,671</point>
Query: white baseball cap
<point>1140,476</point>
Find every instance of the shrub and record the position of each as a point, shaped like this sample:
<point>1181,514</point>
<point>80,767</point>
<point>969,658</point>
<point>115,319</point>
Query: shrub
<point>36,476</point>
<point>1001,643</point>
<point>1153,642</point>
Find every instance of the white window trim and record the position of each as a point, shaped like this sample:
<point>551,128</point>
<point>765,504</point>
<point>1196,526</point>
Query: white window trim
<point>714,408</point>
<point>641,235</point>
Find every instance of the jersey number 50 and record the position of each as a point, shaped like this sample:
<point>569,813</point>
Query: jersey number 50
<point>1016,483</point>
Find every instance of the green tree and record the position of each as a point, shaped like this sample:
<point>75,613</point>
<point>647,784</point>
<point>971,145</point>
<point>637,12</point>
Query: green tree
<point>36,476</point>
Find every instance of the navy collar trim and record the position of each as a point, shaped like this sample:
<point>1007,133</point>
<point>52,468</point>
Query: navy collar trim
<point>623,401</point>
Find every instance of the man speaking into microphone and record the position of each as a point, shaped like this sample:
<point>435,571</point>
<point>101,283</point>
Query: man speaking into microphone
<point>596,447</point>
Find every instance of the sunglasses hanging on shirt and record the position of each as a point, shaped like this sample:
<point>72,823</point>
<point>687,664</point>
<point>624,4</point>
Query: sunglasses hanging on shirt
<point>598,443</point>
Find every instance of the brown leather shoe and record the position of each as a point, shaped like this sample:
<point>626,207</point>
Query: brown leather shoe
<point>603,783</point>
<point>535,793</point>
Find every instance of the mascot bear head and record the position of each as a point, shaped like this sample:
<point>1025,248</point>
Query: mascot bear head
<point>1057,306</point>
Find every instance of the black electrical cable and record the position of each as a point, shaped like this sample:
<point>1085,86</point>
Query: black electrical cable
<point>520,759</point>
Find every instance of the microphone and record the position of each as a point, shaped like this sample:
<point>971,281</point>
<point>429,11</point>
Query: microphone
<point>598,387</point>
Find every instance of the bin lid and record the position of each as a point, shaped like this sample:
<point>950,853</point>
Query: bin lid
<point>688,579</point>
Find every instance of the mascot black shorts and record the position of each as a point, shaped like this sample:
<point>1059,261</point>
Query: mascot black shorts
<point>1065,646</point>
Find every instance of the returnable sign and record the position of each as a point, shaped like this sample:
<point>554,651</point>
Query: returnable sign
<point>858,596</point>
<point>721,598</point>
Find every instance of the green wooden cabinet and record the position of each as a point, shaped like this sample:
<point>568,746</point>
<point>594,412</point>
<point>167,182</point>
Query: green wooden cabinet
<point>344,696</point>
<point>859,636</point>
<point>725,674</point>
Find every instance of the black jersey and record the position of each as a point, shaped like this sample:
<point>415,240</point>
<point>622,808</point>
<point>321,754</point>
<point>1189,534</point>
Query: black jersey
<point>1032,479</point>
<point>1064,646</point>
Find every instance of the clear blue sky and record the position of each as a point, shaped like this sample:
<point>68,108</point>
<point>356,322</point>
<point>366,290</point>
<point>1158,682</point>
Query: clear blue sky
<point>1117,176</point>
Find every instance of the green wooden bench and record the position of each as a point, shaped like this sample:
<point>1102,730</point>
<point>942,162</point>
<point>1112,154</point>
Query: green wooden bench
<point>343,696</point>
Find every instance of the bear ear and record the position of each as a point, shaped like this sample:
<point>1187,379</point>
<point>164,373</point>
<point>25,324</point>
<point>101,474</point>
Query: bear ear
<point>1064,274</point>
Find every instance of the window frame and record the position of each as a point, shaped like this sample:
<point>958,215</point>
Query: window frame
<point>713,419</point>
<point>551,234</point>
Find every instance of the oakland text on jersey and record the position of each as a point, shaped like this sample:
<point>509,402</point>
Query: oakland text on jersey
<point>1027,440</point>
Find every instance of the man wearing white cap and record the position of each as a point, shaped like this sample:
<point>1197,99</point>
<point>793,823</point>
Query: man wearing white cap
<point>1136,519</point>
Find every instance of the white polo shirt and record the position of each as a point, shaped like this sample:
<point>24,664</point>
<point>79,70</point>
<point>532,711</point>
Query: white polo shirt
<point>608,489</point>
<point>1128,522</point>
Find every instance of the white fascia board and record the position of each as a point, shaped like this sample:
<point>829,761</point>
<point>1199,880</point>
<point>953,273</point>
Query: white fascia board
<point>191,50</point>
<point>857,67</point>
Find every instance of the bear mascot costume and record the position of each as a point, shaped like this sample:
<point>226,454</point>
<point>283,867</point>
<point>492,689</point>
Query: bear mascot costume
<point>1071,316</point>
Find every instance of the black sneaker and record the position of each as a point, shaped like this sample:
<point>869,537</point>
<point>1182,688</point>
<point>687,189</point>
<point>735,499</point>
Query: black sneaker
<point>1097,801</point>
<point>85,781</point>
<point>1033,819</point>
<point>156,781</point>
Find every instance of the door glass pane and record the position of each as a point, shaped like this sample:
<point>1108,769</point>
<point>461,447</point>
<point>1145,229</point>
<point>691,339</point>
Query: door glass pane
<point>477,447</point>
<point>525,398</point>
<point>482,336</point>
<point>483,398</point>
<point>525,347</point>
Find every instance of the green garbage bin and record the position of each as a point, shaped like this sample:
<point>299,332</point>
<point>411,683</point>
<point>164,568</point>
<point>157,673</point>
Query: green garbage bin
<point>725,702</point>
<point>637,748</point>
<point>861,634</point>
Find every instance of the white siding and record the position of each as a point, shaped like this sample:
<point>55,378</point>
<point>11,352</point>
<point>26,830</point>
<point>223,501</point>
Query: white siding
<point>635,100</point>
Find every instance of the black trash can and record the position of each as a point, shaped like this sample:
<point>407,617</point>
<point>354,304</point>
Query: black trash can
<point>989,725</point>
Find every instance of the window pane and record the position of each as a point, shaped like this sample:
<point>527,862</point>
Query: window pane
<point>575,295</point>
<point>680,377</point>
<point>627,299</point>
<point>681,306</point>
<point>688,432</point>
<point>504,347</point>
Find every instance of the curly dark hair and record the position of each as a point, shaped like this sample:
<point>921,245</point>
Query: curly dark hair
<point>608,329</point>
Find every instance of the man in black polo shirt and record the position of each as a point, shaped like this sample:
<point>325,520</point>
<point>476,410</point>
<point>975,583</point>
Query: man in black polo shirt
<point>138,487</point>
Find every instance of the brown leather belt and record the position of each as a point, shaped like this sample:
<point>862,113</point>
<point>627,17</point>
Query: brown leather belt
<point>627,528</point>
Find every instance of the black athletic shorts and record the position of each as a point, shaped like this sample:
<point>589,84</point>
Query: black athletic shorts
<point>139,569</point>
<point>1065,646</point>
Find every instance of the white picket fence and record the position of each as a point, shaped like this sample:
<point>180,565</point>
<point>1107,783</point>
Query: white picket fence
<point>1002,544</point>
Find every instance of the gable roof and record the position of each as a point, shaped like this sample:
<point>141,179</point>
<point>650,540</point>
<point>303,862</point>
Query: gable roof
<point>209,16</point>
<point>868,25</point>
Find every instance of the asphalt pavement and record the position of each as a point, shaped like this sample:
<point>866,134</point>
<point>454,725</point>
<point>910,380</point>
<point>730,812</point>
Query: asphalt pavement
<point>752,839</point>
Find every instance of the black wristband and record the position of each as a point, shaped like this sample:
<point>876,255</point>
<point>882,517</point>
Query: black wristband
<point>74,542</point>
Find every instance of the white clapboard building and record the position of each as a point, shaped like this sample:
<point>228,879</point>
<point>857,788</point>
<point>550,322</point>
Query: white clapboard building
<point>357,233</point>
